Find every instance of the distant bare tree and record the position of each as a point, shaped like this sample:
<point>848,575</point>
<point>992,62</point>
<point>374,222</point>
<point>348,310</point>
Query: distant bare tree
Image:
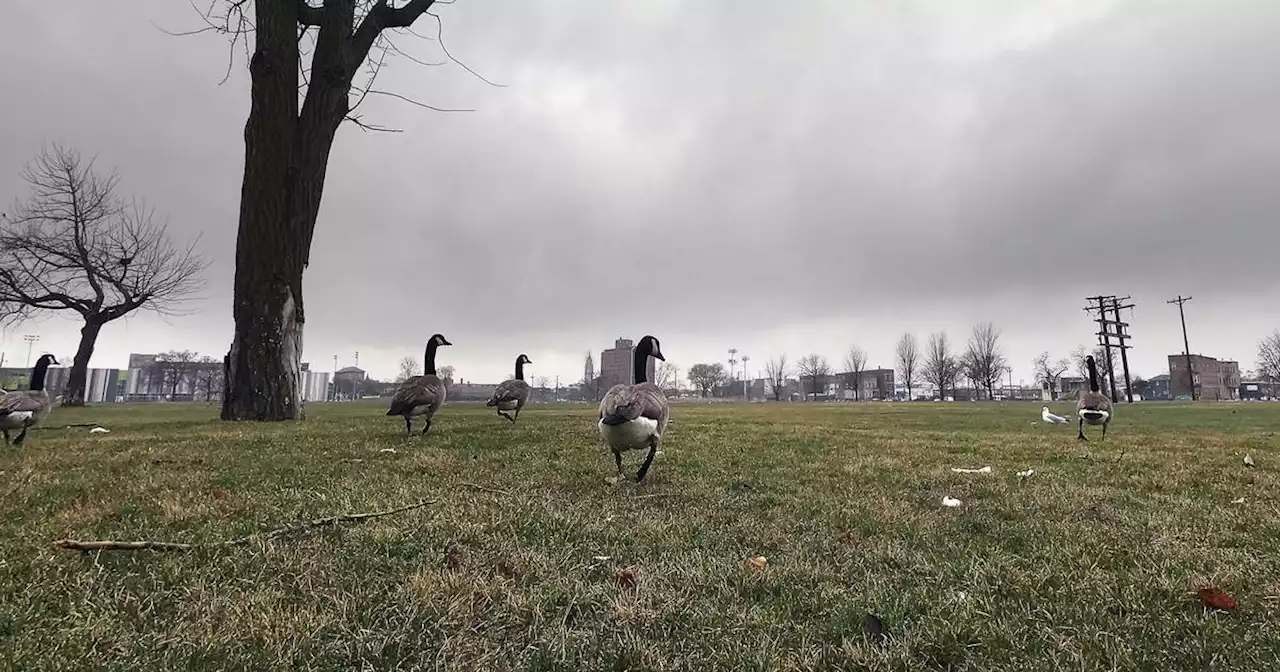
<point>941,367</point>
<point>1048,373</point>
<point>816,368</point>
<point>970,366</point>
<point>75,246</point>
<point>408,369</point>
<point>540,387</point>
<point>986,362</point>
<point>665,375</point>
<point>1105,364</point>
<point>445,373</point>
<point>908,361</point>
<point>707,377</point>
<point>1269,358</point>
<point>856,362</point>
<point>208,377</point>
<point>589,383</point>
<point>175,368</point>
<point>776,369</point>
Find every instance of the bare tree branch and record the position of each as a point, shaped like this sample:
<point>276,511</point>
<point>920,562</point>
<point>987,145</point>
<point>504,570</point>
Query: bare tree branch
<point>776,369</point>
<point>74,246</point>
<point>908,354</point>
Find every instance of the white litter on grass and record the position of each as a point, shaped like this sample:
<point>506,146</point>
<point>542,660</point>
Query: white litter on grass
<point>99,430</point>
<point>602,558</point>
<point>387,450</point>
<point>1238,500</point>
<point>962,470</point>
<point>951,501</point>
<point>1248,460</point>
<point>1024,474</point>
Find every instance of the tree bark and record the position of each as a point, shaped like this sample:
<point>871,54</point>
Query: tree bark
<point>73,394</point>
<point>286,155</point>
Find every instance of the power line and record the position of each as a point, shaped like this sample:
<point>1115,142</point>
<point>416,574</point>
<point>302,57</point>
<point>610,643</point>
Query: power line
<point>1186,348</point>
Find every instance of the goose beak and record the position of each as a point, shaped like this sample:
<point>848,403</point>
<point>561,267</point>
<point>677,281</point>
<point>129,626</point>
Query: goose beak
<point>657,354</point>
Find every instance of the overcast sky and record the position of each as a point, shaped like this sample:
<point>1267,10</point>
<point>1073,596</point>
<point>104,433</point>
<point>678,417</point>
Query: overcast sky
<point>795,176</point>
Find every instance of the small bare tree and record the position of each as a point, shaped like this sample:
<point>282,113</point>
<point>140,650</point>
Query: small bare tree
<point>1048,372</point>
<point>175,368</point>
<point>940,366</point>
<point>776,369</point>
<point>986,362</point>
<point>74,246</point>
<point>816,368</point>
<point>1269,360</point>
<point>408,369</point>
<point>908,361</point>
<point>209,377</point>
<point>707,377</point>
<point>665,375</point>
<point>1104,363</point>
<point>856,362</point>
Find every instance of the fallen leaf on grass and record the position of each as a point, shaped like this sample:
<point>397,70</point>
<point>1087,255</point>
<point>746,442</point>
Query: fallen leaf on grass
<point>951,501</point>
<point>387,450</point>
<point>1216,599</point>
<point>602,558</point>
<point>626,578</point>
<point>1238,500</point>
<point>1024,474</point>
<point>963,470</point>
<point>454,555</point>
<point>759,562</point>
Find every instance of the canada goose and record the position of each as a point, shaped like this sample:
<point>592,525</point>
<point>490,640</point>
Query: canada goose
<point>1094,407</point>
<point>27,408</point>
<point>1050,418</point>
<point>421,395</point>
<point>511,395</point>
<point>635,416</point>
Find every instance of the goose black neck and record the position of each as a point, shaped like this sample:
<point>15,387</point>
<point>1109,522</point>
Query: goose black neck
<point>1093,376</point>
<point>641,362</point>
<point>37,375</point>
<point>429,360</point>
<point>519,368</point>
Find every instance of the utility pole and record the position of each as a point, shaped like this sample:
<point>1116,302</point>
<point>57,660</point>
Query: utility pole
<point>1124,349</point>
<point>1186,347</point>
<point>745,395</point>
<point>1104,335</point>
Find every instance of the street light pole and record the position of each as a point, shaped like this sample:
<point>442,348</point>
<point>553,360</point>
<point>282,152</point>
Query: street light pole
<point>745,395</point>
<point>31,340</point>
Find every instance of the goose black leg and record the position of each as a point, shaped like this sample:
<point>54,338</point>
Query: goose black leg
<point>517,414</point>
<point>648,459</point>
<point>21,437</point>
<point>506,416</point>
<point>1104,430</point>
<point>426,426</point>
<point>7,440</point>
<point>1080,437</point>
<point>617,457</point>
<point>408,426</point>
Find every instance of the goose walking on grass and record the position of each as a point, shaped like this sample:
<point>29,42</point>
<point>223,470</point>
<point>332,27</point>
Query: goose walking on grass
<point>1094,407</point>
<point>634,417</point>
<point>511,395</point>
<point>26,409</point>
<point>421,395</point>
<point>1050,417</point>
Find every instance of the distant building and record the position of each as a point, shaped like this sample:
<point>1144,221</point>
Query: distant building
<point>1214,380</point>
<point>1258,390</point>
<point>874,384</point>
<point>616,366</point>
<point>101,385</point>
<point>1158,388</point>
<point>347,380</point>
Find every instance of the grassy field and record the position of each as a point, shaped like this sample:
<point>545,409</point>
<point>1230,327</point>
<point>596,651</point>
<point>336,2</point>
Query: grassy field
<point>1089,564</point>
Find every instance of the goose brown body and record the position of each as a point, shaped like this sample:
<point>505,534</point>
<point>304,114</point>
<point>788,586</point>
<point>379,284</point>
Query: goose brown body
<point>27,408</point>
<point>511,395</point>
<point>421,396</point>
<point>1094,407</point>
<point>635,416</point>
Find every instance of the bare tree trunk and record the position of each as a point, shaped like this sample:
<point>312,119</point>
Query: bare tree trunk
<point>73,394</point>
<point>286,154</point>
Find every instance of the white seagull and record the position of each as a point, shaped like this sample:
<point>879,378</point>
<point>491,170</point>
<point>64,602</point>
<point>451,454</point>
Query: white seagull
<point>1051,418</point>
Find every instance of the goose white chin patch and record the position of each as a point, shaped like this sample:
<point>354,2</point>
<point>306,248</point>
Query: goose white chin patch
<point>632,434</point>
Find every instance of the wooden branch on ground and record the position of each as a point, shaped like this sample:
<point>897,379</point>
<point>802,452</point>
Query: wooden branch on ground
<point>304,526</point>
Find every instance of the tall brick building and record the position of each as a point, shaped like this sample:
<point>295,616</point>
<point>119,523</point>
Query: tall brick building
<point>615,365</point>
<point>1215,380</point>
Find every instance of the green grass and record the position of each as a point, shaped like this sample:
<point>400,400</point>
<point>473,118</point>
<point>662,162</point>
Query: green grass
<point>1089,564</point>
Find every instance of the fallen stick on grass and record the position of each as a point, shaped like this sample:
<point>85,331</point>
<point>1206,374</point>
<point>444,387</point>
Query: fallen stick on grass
<point>109,545</point>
